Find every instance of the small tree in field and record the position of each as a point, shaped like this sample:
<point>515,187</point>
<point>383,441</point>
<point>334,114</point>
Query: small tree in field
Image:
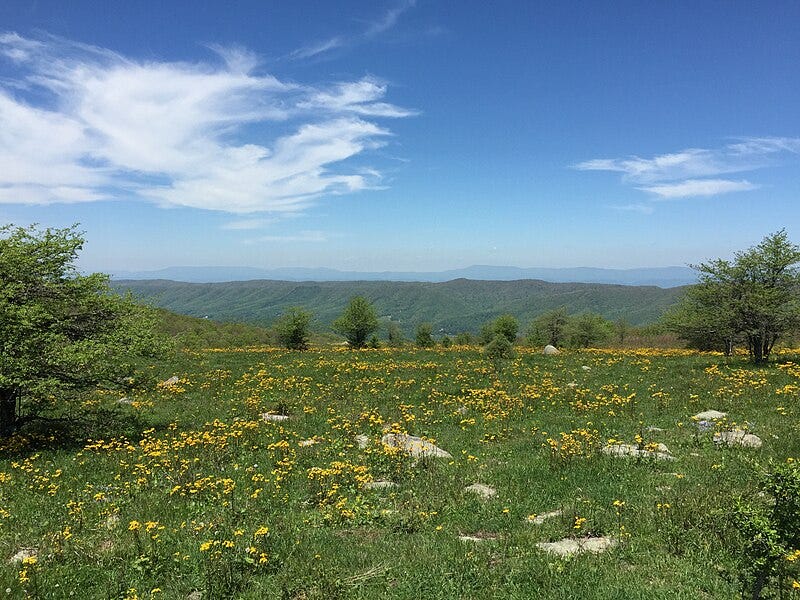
<point>504,325</point>
<point>549,328</point>
<point>292,328</point>
<point>588,329</point>
<point>424,337</point>
<point>756,296</point>
<point>357,322</point>
<point>61,333</point>
<point>394,334</point>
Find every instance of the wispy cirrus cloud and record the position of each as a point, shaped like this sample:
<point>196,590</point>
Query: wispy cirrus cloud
<point>699,187</point>
<point>177,133</point>
<point>373,29</point>
<point>696,172</point>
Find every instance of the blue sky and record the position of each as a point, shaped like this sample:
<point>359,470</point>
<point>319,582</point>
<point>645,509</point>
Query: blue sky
<point>401,135</point>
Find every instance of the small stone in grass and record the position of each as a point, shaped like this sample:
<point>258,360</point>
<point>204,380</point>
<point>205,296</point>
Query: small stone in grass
<point>380,484</point>
<point>737,438</point>
<point>709,415</point>
<point>414,446</point>
<point>539,519</point>
<point>273,418</point>
<point>484,491</point>
<point>570,546</point>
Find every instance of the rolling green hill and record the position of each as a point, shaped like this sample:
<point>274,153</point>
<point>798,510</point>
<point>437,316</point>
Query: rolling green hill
<point>451,307</point>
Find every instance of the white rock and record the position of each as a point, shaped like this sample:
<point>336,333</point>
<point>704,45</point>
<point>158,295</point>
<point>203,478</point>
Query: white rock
<point>462,410</point>
<point>572,385</point>
<point>307,443</point>
<point>174,380</point>
<point>362,441</point>
<point>22,554</point>
<point>124,401</point>
<point>539,519</point>
<point>414,446</point>
<point>484,491</point>
<point>629,450</point>
<point>586,368</point>
<point>569,546</point>
<point>737,438</point>
<point>652,429</point>
<point>710,415</point>
<point>550,350</point>
<point>478,538</point>
<point>380,484</point>
<point>273,418</point>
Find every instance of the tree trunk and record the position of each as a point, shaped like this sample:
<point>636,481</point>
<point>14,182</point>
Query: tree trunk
<point>8,410</point>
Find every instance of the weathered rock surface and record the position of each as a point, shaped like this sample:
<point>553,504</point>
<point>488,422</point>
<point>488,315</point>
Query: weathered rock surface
<point>629,450</point>
<point>709,415</point>
<point>362,441</point>
<point>539,519</point>
<point>174,380</point>
<point>737,438</point>
<point>569,546</point>
<point>380,484</point>
<point>414,446</point>
<point>308,442</point>
<point>22,554</point>
<point>273,418</point>
<point>483,491</point>
<point>550,350</point>
<point>586,368</point>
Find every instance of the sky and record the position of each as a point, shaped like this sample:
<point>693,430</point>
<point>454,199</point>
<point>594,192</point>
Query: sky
<point>399,134</point>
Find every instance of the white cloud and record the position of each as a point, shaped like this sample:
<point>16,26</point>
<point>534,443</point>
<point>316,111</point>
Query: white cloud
<point>699,187</point>
<point>695,171</point>
<point>179,133</point>
<point>384,23</point>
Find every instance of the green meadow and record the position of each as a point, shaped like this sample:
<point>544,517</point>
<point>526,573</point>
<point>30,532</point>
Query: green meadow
<point>188,486</point>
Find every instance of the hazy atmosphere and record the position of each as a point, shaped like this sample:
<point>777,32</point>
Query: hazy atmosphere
<point>424,136</point>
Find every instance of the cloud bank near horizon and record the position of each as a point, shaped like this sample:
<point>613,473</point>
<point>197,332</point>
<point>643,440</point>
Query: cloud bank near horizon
<point>80,123</point>
<point>696,172</point>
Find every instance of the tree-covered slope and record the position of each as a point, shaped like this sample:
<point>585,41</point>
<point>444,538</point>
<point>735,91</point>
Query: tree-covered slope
<point>452,306</point>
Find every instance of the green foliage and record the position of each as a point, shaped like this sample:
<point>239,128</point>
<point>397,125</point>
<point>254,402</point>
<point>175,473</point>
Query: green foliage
<point>446,341</point>
<point>587,330</point>
<point>196,333</point>
<point>292,329</point>
<point>451,306</point>
<point>504,325</point>
<point>549,328</point>
<point>62,333</point>
<point>499,348</point>
<point>373,342</point>
<point>357,322</point>
<point>394,335</point>
<point>621,330</point>
<point>423,337</point>
<point>769,532</point>
<point>757,297</point>
<point>465,338</point>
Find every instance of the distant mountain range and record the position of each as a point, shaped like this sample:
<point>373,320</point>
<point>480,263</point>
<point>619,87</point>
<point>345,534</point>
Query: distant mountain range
<point>665,277</point>
<point>451,307</point>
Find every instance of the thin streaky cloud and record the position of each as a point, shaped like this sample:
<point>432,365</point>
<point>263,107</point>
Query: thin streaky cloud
<point>175,133</point>
<point>746,154</point>
<point>247,224</point>
<point>373,29</point>
<point>699,187</point>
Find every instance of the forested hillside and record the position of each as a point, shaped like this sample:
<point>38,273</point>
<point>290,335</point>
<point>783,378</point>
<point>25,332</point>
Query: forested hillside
<point>453,306</point>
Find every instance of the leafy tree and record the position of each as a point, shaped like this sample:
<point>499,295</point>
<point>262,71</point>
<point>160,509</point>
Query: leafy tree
<point>549,328</point>
<point>504,325</point>
<point>446,342</point>
<point>756,296</point>
<point>394,334</point>
<point>499,349</point>
<point>357,322</point>
<point>61,333</point>
<point>621,330</point>
<point>423,336</point>
<point>373,342</point>
<point>465,338</point>
<point>292,328</point>
<point>588,329</point>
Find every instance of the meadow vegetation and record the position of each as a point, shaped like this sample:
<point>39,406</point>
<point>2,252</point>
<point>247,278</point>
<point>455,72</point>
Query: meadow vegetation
<point>196,485</point>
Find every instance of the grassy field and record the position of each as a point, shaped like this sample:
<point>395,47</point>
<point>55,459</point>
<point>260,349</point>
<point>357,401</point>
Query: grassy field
<point>188,489</point>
